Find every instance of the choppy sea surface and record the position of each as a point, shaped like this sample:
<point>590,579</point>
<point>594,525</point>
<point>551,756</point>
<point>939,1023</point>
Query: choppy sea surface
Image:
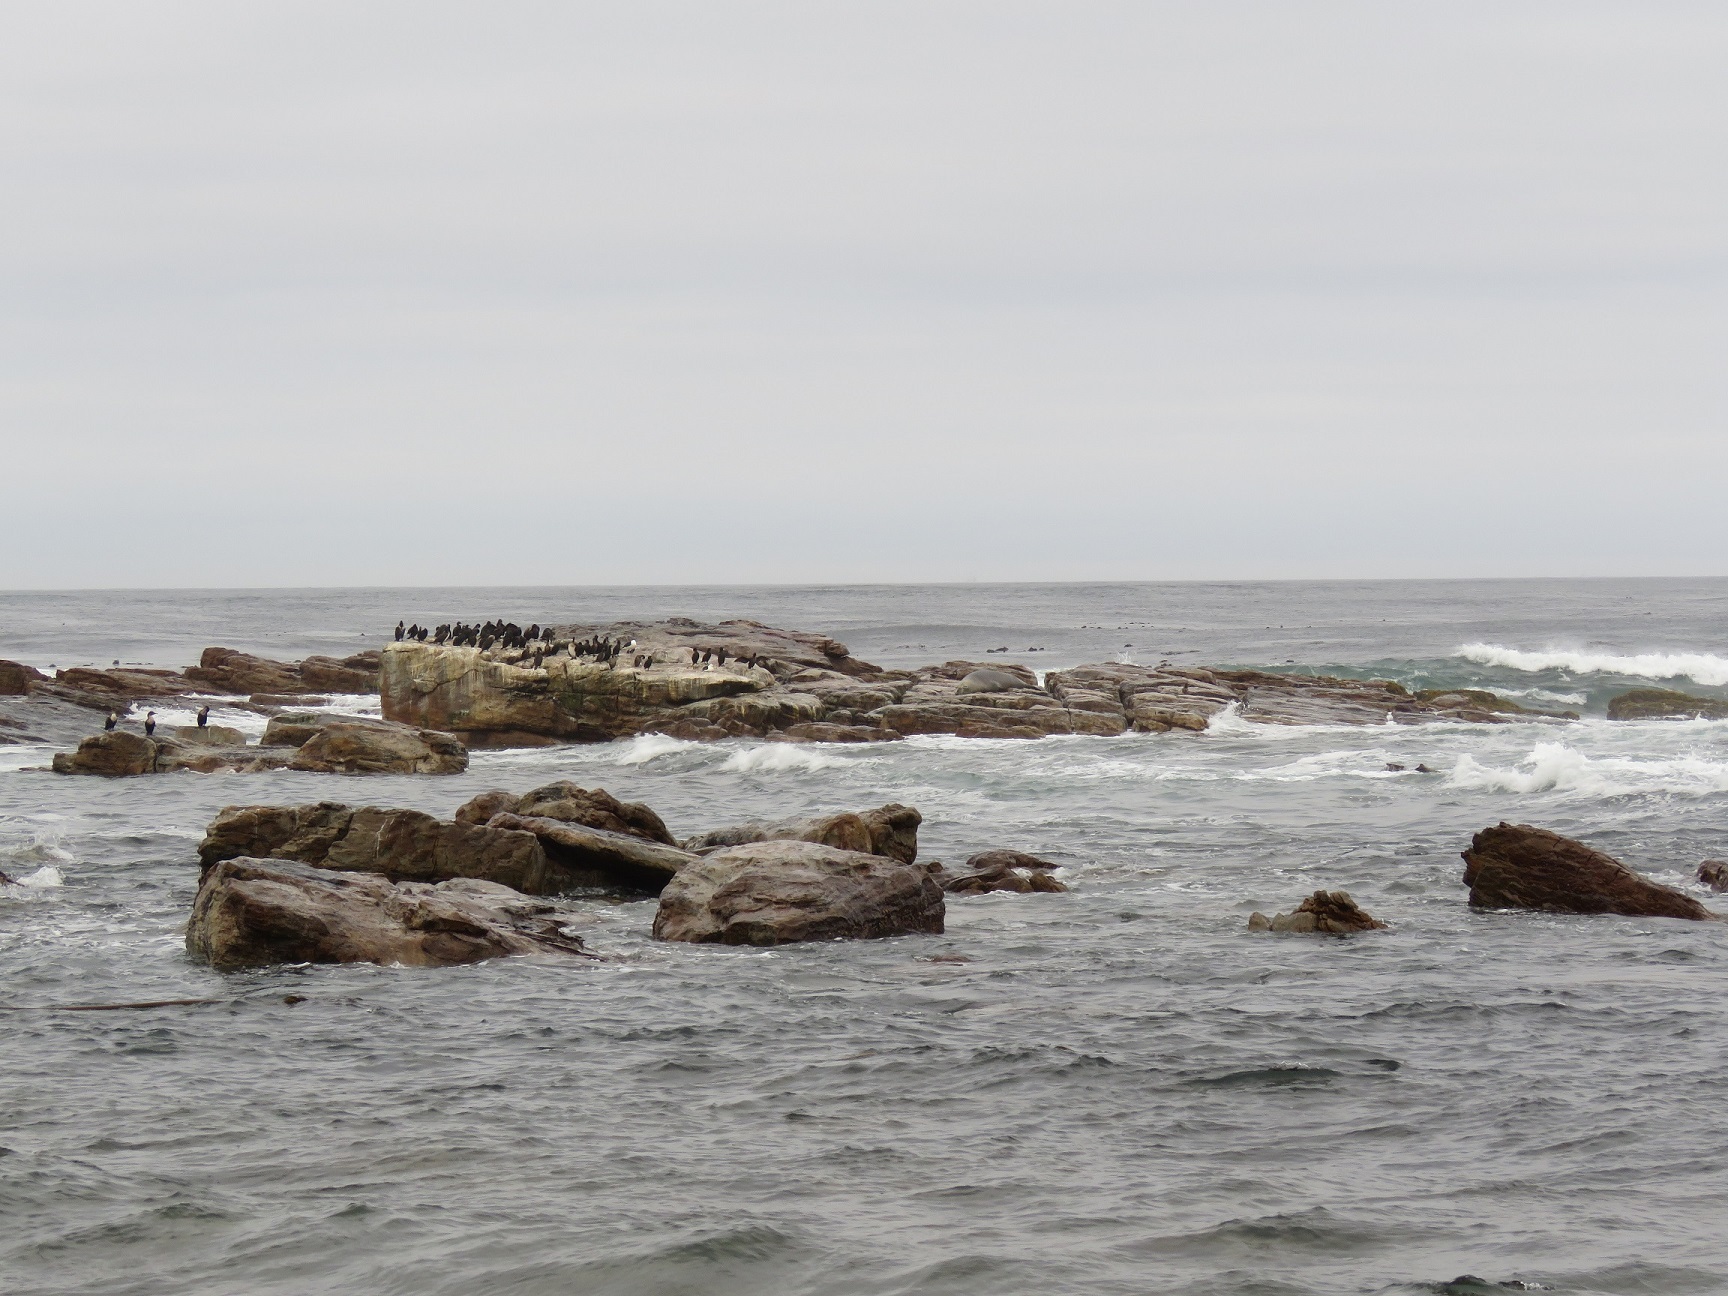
<point>1120,1090</point>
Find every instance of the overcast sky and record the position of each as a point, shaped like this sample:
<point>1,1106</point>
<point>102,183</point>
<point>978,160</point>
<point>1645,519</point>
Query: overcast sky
<point>576,293</point>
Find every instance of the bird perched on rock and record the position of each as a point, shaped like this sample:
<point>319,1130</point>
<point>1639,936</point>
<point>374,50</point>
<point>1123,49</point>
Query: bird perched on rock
<point>112,720</point>
<point>401,629</point>
<point>204,717</point>
<point>149,723</point>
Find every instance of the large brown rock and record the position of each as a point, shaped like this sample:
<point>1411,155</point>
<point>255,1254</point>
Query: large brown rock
<point>1331,913</point>
<point>353,746</point>
<point>115,754</point>
<point>404,845</point>
<point>775,892</point>
<point>593,857</point>
<point>1515,866</point>
<point>1002,870</point>
<point>254,912</point>
<point>228,670</point>
<point>891,831</point>
<point>1665,704</point>
<point>16,678</point>
<point>595,808</point>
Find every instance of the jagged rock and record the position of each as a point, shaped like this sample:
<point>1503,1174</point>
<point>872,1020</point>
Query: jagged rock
<point>566,801</point>
<point>1515,866</point>
<point>594,857</point>
<point>774,892</point>
<point>1002,870</point>
<point>114,754</point>
<point>16,678</point>
<point>1329,912</point>
<point>890,831</point>
<point>1714,874</point>
<point>349,745</point>
<point>293,728</point>
<point>255,912</point>
<point>404,845</point>
<point>227,670</point>
<point>355,674</point>
<point>1663,704</point>
<point>105,687</point>
<point>479,809</point>
<point>210,736</point>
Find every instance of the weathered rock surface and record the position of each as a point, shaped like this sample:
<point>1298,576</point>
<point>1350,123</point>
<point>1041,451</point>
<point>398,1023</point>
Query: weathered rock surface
<point>16,678</point>
<point>1331,913</point>
<point>227,670</point>
<point>404,845</point>
<point>355,746</point>
<point>807,689</point>
<point>890,831</point>
<point>255,912</point>
<point>113,754</point>
<point>1663,704</point>
<point>1515,866</point>
<point>1002,870</point>
<point>594,857</point>
<point>209,736</point>
<point>775,892</point>
<point>1714,874</point>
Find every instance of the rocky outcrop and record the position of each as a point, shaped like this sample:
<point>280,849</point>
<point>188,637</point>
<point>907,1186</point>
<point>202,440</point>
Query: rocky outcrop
<point>355,746</point>
<point>1331,913</point>
<point>1665,704</point>
<point>595,808</point>
<point>255,912</point>
<point>798,692</point>
<point>1002,870</point>
<point>227,670</point>
<point>1714,874</point>
<point>775,892</point>
<point>16,678</point>
<point>209,736</point>
<point>1515,866</point>
<point>890,831</point>
<point>585,857</point>
<point>403,845</point>
<point>114,755</point>
<point>536,855</point>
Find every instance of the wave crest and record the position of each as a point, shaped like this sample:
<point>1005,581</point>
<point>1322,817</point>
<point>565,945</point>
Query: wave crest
<point>1702,668</point>
<point>1555,767</point>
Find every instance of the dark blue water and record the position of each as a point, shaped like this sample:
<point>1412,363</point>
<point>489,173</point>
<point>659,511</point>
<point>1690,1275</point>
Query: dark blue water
<point>1121,1090</point>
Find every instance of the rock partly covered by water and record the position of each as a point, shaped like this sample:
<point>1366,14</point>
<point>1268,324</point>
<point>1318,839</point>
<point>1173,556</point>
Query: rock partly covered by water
<point>1515,866</point>
<point>1665,704</point>
<point>798,687</point>
<point>776,892</point>
<point>1331,913</point>
<point>890,831</point>
<point>1002,870</point>
<point>337,745</point>
<point>1714,874</point>
<point>257,912</point>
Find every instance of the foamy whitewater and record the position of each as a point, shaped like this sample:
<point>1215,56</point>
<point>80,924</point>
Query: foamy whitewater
<point>1118,1090</point>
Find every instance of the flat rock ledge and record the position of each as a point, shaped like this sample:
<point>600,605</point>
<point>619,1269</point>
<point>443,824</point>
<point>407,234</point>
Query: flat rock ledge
<point>320,745</point>
<point>777,892</point>
<point>1329,913</point>
<point>255,913</point>
<point>1515,866</point>
<point>1665,704</point>
<point>789,686</point>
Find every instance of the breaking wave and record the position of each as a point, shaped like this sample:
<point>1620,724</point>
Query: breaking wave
<point>646,747</point>
<point>1701,668</point>
<point>779,756</point>
<point>1555,767</point>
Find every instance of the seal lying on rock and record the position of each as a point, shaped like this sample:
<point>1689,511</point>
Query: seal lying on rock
<point>1331,912</point>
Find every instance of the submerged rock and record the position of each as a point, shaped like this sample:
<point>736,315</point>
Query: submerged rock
<point>1714,874</point>
<point>1515,866</point>
<point>1664,704</point>
<point>1003,870</point>
<point>774,892</point>
<point>1331,913</point>
<point>255,912</point>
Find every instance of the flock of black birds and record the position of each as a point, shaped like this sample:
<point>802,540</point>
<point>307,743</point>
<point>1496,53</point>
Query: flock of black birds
<point>539,644</point>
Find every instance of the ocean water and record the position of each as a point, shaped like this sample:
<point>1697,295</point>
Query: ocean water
<point>1119,1090</point>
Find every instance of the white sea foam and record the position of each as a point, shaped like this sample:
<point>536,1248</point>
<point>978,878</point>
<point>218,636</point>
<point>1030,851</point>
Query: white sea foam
<point>780,756</point>
<point>1229,722</point>
<point>1702,668</point>
<point>40,851</point>
<point>42,878</point>
<point>1556,767</point>
<point>646,747</point>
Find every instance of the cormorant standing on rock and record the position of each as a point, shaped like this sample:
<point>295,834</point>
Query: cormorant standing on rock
<point>149,723</point>
<point>719,656</point>
<point>400,631</point>
<point>112,720</point>
<point>204,717</point>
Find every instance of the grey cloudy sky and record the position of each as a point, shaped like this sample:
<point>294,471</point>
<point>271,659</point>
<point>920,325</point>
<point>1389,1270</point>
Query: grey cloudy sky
<point>311,293</point>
